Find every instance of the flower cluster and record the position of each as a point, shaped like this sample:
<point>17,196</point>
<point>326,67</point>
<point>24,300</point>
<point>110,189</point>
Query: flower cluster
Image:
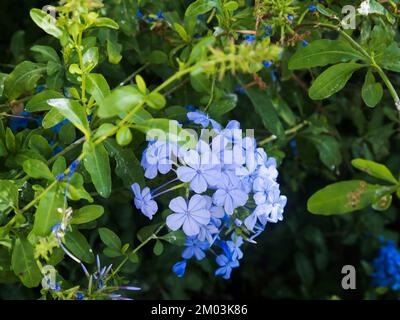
<point>230,185</point>
<point>387,267</point>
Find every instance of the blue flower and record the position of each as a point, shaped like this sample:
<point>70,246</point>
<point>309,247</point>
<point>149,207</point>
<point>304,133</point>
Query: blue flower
<point>179,268</point>
<point>262,187</point>
<point>144,201</point>
<point>230,197</point>
<point>56,129</point>
<point>188,215</point>
<point>387,267</point>
<point>40,88</point>
<point>269,27</point>
<point>249,38</point>
<point>290,17</point>
<point>190,107</point>
<point>274,76</point>
<point>267,64</point>
<point>239,89</point>
<point>232,131</point>
<point>234,247</point>
<point>226,265</point>
<point>272,209</point>
<point>160,15</point>
<point>139,14</point>
<point>20,121</point>
<point>201,170</point>
<point>304,43</point>
<point>203,119</point>
<point>158,158</point>
<point>80,296</point>
<point>195,247</point>
<point>312,8</point>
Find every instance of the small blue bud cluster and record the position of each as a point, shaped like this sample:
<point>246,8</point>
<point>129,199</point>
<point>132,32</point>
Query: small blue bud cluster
<point>387,267</point>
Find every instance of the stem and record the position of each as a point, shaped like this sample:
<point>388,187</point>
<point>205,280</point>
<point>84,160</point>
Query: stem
<point>389,85</point>
<point>78,47</point>
<point>212,94</point>
<point>168,190</point>
<point>128,79</point>
<point>288,132</point>
<point>39,197</point>
<point>152,237</point>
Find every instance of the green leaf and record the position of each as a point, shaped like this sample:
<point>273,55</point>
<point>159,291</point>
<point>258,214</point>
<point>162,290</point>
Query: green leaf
<point>328,148</point>
<point>224,105</point>
<point>182,32</point>
<point>177,238</point>
<point>332,80</point>
<point>106,22</point>
<point>342,197</point>
<point>22,79</point>
<point>3,77</point>
<point>141,84</point>
<point>110,239</point>
<point>74,112</point>
<point>76,190</point>
<point>304,268</point>
<point>200,7</point>
<point>47,214</point>
<point>90,59</point>
<point>8,195</point>
<point>326,11</point>
<point>383,203</point>
<point>121,100</point>
<point>112,253</point>
<point>156,100</point>
<point>158,248</point>
<point>97,164</point>
<point>390,57</point>
<point>87,214</point>
<point>24,264</point>
<point>147,231</point>
<point>158,57</point>
<point>372,91</point>
<point>41,145</point>
<point>37,169</point>
<point>374,169</point>
<point>124,136</point>
<point>10,141</point>
<point>128,167</point>
<point>97,86</point>
<point>263,105</point>
<point>52,118</point>
<point>78,245</point>
<point>46,22</point>
<point>39,103</point>
<point>322,52</point>
<point>105,130</point>
<point>114,48</point>
<point>46,54</point>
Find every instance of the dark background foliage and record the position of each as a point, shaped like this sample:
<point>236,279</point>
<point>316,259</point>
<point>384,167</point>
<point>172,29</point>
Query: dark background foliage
<point>301,257</point>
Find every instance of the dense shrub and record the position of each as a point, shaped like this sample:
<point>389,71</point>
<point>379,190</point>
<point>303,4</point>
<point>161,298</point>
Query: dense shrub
<point>104,191</point>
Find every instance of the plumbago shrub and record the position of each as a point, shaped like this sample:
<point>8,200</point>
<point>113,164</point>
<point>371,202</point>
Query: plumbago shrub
<point>141,142</point>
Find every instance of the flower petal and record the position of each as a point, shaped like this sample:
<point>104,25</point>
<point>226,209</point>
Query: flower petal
<point>175,221</point>
<point>178,205</point>
<point>185,174</point>
<point>190,227</point>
